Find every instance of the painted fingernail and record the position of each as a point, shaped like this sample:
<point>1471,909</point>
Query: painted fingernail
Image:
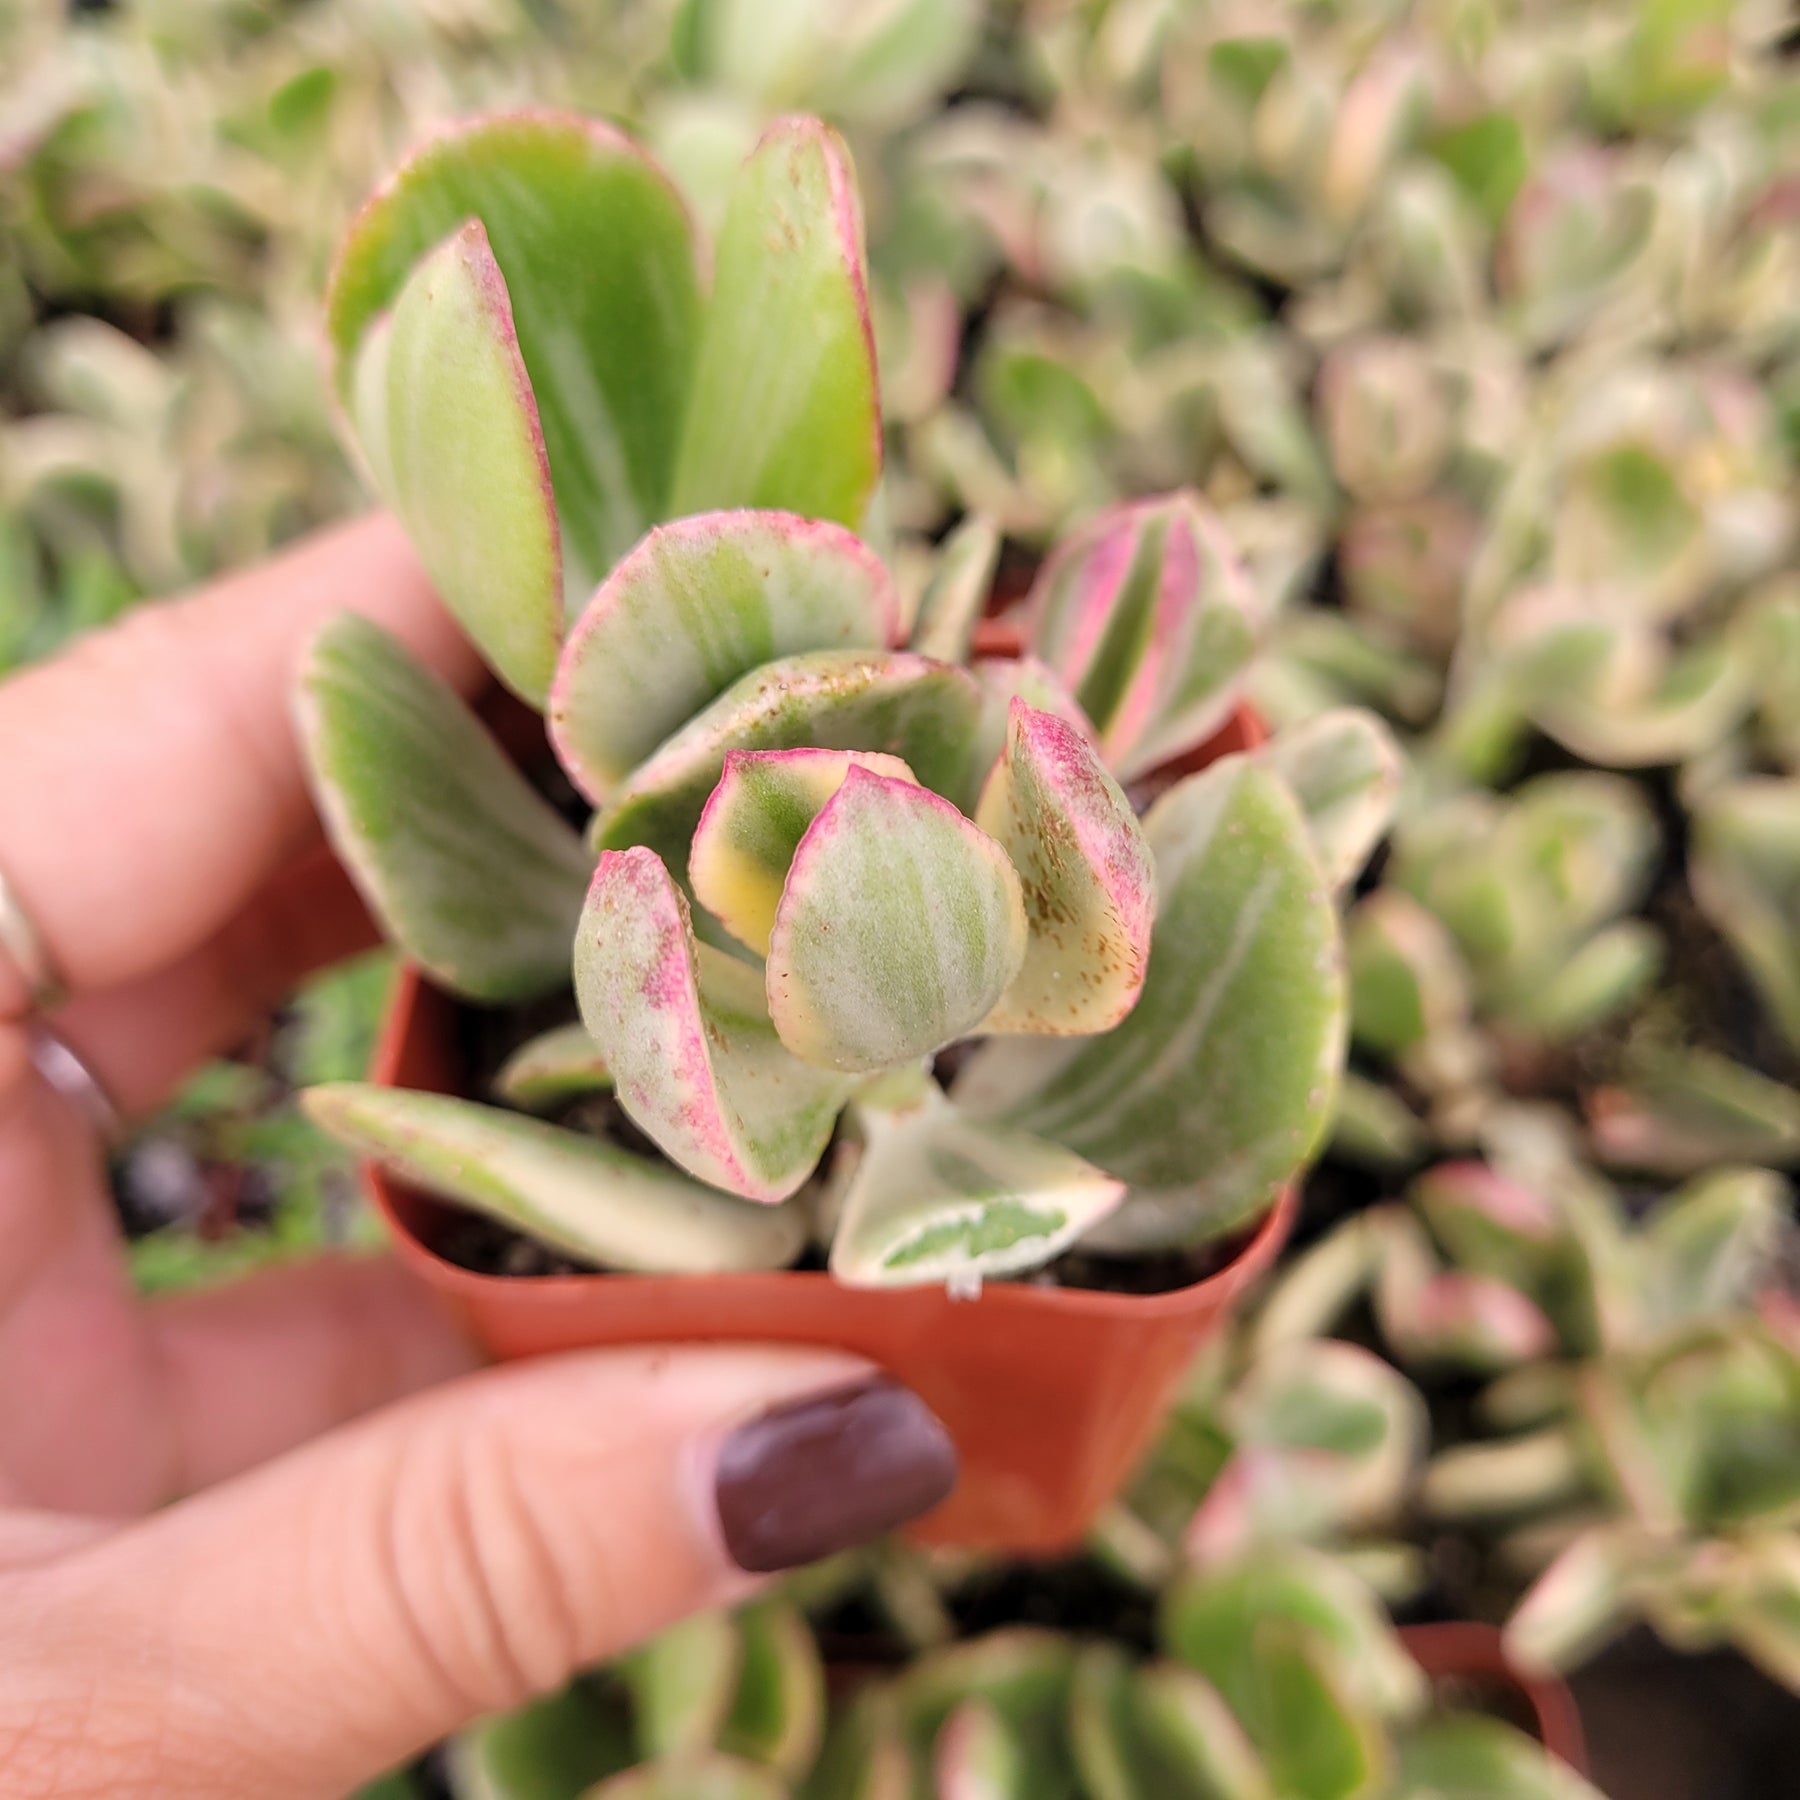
<point>828,1472</point>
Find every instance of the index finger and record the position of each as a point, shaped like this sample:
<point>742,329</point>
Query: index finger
<point>149,779</point>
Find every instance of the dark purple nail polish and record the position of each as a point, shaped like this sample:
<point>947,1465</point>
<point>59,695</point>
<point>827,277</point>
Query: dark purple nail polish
<point>828,1472</point>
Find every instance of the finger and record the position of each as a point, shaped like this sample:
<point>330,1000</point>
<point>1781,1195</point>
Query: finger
<point>449,1558</point>
<point>152,782</point>
<point>254,1367</point>
<point>141,1037</point>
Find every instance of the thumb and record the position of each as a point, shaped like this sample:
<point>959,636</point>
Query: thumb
<point>304,1627</point>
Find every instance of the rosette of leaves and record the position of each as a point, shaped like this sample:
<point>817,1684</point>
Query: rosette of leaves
<point>816,859</point>
<point>1280,1677</point>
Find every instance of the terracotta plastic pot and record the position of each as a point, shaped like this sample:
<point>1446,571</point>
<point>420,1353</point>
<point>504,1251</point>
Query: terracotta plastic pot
<point>1052,1394</point>
<point>1476,1654</point>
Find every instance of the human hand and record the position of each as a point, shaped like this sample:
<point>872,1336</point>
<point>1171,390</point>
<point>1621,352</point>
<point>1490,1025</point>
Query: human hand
<point>309,1613</point>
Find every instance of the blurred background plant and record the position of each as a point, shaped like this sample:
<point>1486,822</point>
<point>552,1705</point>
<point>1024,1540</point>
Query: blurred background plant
<point>1479,323</point>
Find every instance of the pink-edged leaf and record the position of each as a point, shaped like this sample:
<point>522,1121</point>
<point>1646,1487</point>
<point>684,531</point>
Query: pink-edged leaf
<point>686,1033</point>
<point>1002,680</point>
<point>954,598</point>
<point>753,824</point>
<point>784,409</point>
<point>696,606</point>
<point>448,425</point>
<point>900,927</point>
<point>1087,875</point>
<point>1150,619</point>
<point>907,706</point>
<point>599,259</point>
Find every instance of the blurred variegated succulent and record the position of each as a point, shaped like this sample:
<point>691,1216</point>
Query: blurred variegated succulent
<point>822,859</point>
<point>1280,1676</point>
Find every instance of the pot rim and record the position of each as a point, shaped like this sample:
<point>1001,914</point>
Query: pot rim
<point>1471,1648</point>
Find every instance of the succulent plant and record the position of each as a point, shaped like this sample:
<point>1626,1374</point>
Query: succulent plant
<point>1280,1676</point>
<point>822,859</point>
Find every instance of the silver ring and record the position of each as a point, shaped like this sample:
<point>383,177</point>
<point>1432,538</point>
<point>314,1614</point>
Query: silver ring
<point>69,1076</point>
<point>24,943</point>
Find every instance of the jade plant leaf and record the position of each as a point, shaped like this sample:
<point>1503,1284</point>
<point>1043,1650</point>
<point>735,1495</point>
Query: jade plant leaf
<point>600,266</point>
<point>745,842</point>
<point>697,1778</point>
<point>554,1749</point>
<point>578,1194</point>
<point>1192,1729</point>
<point>777,1715</point>
<point>1088,881</point>
<point>1149,618</point>
<point>697,605</point>
<point>1469,1757</point>
<point>554,1066</point>
<point>445,415</point>
<point>469,870</point>
<point>784,410</point>
<point>935,1198</point>
<point>952,604</point>
<point>977,1757</point>
<point>1297,1707</point>
<point>920,711</point>
<point>899,928</point>
<point>1219,1083</point>
<point>1000,681</point>
<point>1344,769</point>
<point>686,1031</point>
<point>682,1684</point>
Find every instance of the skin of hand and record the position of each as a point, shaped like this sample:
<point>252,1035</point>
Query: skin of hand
<point>276,1537</point>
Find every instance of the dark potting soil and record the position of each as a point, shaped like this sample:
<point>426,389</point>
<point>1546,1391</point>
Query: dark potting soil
<point>488,1036</point>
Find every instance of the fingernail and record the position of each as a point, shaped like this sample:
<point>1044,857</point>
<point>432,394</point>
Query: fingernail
<point>828,1472</point>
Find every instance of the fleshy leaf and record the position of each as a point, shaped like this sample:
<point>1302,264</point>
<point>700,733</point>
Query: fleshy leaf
<point>682,1684</point>
<point>601,269</point>
<point>1184,1716</point>
<point>785,410</point>
<point>934,1198</point>
<point>978,1758</point>
<point>1001,680</point>
<point>1469,1757</point>
<point>745,842</point>
<point>1088,881</point>
<point>696,606</point>
<point>906,706</point>
<point>553,1749</point>
<point>1219,1083</point>
<point>575,1193</point>
<point>468,869</point>
<point>693,1778</point>
<point>899,928</point>
<point>686,1032</point>
<point>1344,769</point>
<point>554,1066</point>
<point>1150,619</point>
<point>445,415</point>
<point>952,604</point>
<point>778,1713</point>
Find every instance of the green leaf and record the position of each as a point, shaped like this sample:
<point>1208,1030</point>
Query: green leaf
<point>1344,768</point>
<point>1149,618</point>
<point>578,1194</point>
<point>745,842</point>
<point>697,605</point>
<point>699,1778</point>
<point>1088,880</point>
<point>1318,1746</point>
<point>957,593</point>
<point>1191,1730</point>
<point>978,1758</point>
<point>1469,1757</point>
<point>778,1713</point>
<point>557,1065</point>
<point>1001,680</point>
<point>784,410</point>
<point>900,926</point>
<point>598,256</point>
<point>935,1198</point>
<point>1220,1082</point>
<point>468,869</point>
<point>445,415</point>
<point>1487,156</point>
<point>553,1749</point>
<point>682,1685</point>
<point>906,706</point>
<point>685,1030</point>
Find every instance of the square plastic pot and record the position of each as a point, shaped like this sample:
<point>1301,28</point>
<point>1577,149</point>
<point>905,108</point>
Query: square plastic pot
<point>1052,1394</point>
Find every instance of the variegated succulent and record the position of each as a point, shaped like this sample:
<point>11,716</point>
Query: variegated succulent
<point>827,841</point>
